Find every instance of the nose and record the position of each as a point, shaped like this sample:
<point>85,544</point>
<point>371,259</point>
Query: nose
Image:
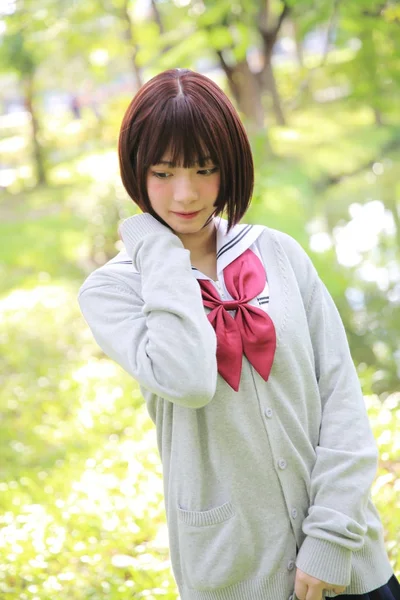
<point>184,190</point>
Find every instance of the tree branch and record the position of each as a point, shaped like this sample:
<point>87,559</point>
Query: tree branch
<point>377,12</point>
<point>326,182</point>
<point>331,25</point>
<point>272,32</point>
<point>282,16</point>
<point>229,71</point>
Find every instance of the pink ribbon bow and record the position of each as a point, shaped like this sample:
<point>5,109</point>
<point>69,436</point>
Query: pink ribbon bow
<point>251,331</point>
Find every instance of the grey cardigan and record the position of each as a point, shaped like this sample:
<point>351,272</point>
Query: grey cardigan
<point>259,481</point>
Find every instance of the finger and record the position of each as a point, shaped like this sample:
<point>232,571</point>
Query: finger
<point>300,589</point>
<point>338,589</point>
<point>314,593</point>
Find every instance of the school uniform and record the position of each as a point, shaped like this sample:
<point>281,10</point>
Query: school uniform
<point>267,452</point>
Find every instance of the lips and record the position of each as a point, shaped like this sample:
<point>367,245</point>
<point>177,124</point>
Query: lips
<point>187,213</point>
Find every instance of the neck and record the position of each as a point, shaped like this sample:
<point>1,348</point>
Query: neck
<point>200,244</point>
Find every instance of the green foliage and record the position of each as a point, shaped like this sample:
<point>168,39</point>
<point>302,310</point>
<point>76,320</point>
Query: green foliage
<point>80,482</point>
<point>81,489</point>
<point>81,502</point>
<point>180,54</point>
<point>82,512</point>
<point>149,41</point>
<point>242,39</point>
<point>216,12</point>
<point>14,54</point>
<point>220,37</point>
<point>27,40</point>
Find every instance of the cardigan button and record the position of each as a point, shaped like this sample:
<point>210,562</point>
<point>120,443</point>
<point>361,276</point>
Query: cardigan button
<point>282,464</point>
<point>294,513</point>
<point>269,413</point>
<point>291,565</point>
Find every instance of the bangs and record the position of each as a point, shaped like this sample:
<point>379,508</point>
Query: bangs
<point>179,130</point>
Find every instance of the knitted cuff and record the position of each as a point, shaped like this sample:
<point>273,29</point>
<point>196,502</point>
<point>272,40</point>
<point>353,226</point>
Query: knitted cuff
<point>135,228</point>
<point>326,561</point>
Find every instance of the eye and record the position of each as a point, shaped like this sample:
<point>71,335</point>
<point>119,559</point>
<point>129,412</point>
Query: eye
<point>160,175</point>
<point>204,172</point>
<point>208,171</point>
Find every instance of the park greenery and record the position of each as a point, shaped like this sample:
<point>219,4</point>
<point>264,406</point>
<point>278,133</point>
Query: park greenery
<point>81,500</point>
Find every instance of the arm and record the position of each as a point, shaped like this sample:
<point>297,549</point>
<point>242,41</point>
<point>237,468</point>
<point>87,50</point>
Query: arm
<point>346,455</point>
<point>155,327</point>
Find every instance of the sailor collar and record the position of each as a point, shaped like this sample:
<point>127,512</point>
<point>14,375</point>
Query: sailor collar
<point>229,245</point>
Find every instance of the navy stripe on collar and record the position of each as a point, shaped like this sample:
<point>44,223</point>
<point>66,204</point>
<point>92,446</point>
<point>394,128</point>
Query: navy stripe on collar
<point>234,241</point>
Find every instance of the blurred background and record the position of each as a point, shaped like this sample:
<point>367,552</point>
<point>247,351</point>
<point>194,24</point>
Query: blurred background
<point>317,85</point>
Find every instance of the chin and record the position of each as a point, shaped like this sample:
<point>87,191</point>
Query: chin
<point>187,227</point>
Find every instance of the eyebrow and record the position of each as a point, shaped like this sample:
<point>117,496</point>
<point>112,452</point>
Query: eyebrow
<point>170,164</point>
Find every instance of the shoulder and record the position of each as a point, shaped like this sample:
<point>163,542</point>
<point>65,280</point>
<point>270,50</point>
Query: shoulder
<point>283,243</point>
<point>118,272</point>
<point>292,258</point>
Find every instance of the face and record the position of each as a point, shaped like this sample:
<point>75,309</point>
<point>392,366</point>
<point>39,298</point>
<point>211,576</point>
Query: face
<point>176,191</point>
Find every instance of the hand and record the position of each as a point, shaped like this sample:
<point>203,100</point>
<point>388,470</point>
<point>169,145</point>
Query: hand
<point>310,588</point>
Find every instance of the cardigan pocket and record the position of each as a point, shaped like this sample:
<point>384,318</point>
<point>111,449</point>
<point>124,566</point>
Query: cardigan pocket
<point>213,553</point>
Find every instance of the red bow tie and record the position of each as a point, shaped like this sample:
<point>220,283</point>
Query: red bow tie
<point>251,331</point>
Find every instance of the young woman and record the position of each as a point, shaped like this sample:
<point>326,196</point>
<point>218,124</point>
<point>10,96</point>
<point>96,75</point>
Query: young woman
<point>242,359</point>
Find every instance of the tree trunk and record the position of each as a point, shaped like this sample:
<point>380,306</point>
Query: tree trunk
<point>298,43</point>
<point>246,92</point>
<point>249,97</point>
<point>128,26</point>
<point>269,36</point>
<point>275,96</point>
<point>158,19</point>
<point>378,117</point>
<point>332,24</point>
<point>28,85</point>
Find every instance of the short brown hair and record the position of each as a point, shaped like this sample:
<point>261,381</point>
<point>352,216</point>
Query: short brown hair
<point>188,113</point>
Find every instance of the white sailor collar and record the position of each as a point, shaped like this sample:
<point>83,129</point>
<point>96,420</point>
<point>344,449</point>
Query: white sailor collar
<point>229,245</point>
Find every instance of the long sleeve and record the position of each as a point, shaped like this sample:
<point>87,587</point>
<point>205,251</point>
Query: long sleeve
<point>346,454</point>
<point>155,327</point>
